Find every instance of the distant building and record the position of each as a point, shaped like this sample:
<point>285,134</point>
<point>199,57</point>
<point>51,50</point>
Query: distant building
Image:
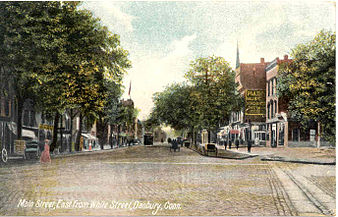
<point>249,123</point>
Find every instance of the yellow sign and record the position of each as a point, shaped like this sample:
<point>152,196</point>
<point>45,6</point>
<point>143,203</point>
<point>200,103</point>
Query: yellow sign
<point>46,127</point>
<point>255,102</point>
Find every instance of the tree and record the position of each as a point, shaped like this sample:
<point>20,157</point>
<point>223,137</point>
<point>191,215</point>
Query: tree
<point>61,56</point>
<point>309,83</point>
<point>215,91</point>
<point>172,106</point>
<point>109,115</point>
<point>26,45</point>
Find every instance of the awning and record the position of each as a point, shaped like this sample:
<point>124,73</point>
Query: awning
<point>88,136</point>
<point>234,131</point>
<point>28,133</point>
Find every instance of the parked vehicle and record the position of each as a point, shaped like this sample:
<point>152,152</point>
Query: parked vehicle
<point>4,155</point>
<point>208,147</point>
<point>32,149</point>
<point>148,139</point>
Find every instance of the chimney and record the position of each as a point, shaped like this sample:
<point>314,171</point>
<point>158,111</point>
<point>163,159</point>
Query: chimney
<point>286,57</point>
<point>262,60</point>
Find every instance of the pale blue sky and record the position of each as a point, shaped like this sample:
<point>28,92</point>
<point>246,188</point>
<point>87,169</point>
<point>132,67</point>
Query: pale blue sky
<point>163,37</point>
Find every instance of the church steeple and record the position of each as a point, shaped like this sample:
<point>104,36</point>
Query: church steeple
<point>237,60</point>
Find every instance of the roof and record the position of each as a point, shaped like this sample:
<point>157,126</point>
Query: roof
<point>252,76</point>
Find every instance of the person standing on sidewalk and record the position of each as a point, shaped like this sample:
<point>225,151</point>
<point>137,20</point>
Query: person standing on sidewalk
<point>45,155</point>
<point>230,143</point>
<point>225,144</point>
<point>249,146</point>
<point>237,144</point>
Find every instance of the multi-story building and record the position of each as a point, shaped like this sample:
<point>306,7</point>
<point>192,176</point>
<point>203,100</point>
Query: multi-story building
<point>249,123</point>
<point>276,110</point>
<point>281,129</point>
<point>8,111</point>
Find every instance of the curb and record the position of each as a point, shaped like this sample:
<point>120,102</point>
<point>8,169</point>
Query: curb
<point>232,158</point>
<point>299,161</point>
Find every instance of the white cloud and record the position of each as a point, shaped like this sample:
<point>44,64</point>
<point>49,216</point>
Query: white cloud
<point>152,73</point>
<point>111,15</point>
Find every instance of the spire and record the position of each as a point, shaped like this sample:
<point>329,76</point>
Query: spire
<point>237,60</point>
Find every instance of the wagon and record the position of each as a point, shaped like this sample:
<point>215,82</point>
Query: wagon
<point>22,149</point>
<point>32,150</point>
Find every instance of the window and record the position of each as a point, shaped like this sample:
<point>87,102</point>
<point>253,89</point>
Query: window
<point>7,112</point>
<point>275,107</point>
<point>32,118</point>
<point>271,109</point>
<point>26,117</point>
<point>268,88</point>
<point>268,110</point>
<point>272,93</point>
<point>275,86</point>
<point>295,135</point>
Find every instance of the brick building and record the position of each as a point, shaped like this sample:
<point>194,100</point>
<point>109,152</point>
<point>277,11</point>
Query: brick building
<point>250,122</point>
<point>281,129</point>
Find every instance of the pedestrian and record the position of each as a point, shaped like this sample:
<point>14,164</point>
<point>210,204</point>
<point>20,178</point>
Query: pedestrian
<point>230,143</point>
<point>169,140</point>
<point>225,144</point>
<point>237,144</point>
<point>249,145</point>
<point>45,155</point>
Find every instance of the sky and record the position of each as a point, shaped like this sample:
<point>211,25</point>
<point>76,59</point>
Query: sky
<point>163,37</point>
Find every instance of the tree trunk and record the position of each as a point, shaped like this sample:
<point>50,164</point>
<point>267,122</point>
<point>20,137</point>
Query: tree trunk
<point>71,130</point>
<point>20,110</point>
<point>318,137</point>
<point>53,145</point>
<point>192,134</point>
<point>209,135</point>
<point>101,132</point>
<point>78,136</point>
<point>118,135</point>
<point>110,136</point>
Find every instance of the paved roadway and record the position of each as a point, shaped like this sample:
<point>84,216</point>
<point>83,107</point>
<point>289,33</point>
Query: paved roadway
<point>151,180</point>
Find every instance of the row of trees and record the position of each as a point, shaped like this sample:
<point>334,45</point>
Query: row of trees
<point>308,83</point>
<point>64,59</point>
<point>204,100</point>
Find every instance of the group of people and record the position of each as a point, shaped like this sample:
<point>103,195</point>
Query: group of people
<point>225,143</point>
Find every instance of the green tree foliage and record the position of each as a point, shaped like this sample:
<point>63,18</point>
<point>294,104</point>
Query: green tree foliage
<point>61,55</point>
<point>309,82</point>
<point>206,101</point>
<point>173,107</point>
<point>214,92</point>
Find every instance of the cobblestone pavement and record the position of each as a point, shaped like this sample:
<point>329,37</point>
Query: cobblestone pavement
<point>123,181</point>
<point>317,154</point>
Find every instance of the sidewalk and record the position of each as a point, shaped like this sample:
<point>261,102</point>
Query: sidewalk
<point>305,155</point>
<point>95,150</point>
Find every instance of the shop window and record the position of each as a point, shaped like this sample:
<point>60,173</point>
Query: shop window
<point>26,117</point>
<point>7,112</point>
<point>295,135</point>
<point>32,118</point>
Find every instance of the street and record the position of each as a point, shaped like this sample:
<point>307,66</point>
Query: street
<point>151,180</point>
